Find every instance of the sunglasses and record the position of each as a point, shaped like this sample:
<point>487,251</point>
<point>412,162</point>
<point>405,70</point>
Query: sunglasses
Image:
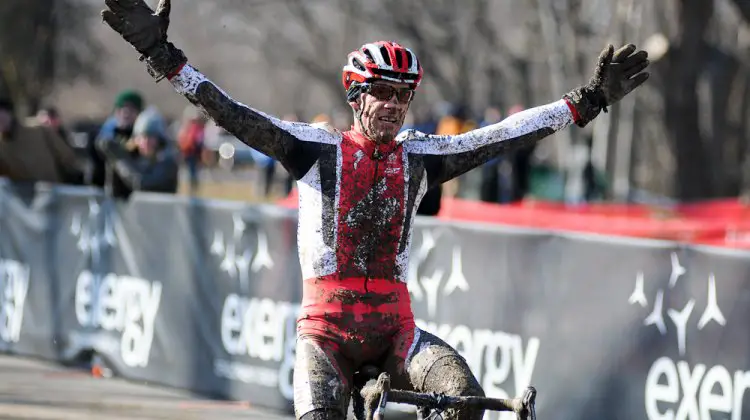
<point>385,92</point>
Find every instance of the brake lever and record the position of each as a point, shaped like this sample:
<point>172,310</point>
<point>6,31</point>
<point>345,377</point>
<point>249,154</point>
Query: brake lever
<point>528,402</point>
<point>384,383</point>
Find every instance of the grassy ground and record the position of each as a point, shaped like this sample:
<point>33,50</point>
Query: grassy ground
<point>240,185</point>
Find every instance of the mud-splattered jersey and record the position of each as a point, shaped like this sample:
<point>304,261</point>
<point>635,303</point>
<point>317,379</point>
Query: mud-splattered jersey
<point>358,199</point>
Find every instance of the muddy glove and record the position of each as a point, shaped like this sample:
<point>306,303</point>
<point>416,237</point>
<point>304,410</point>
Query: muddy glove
<point>617,74</point>
<point>146,31</point>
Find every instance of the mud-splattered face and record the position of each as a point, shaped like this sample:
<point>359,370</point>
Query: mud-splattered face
<point>383,105</point>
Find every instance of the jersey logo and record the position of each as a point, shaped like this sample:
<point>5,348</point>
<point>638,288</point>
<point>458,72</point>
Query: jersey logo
<point>358,155</point>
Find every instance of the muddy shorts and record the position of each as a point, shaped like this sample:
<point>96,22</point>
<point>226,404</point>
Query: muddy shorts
<point>414,359</point>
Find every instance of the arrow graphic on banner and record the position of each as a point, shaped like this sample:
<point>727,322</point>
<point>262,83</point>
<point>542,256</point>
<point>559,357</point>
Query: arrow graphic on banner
<point>656,317</point>
<point>457,280</point>
<point>712,312</point>
<point>678,317</point>
<point>238,258</point>
<point>430,286</point>
<point>677,270</point>
<point>638,295</point>
<point>412,278</point>
<point>94,230</point>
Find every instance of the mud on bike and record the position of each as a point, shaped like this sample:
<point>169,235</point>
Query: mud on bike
<point>372,392</point>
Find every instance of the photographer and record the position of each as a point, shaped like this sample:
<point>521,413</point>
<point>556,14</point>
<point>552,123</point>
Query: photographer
<point>148,161</point>
<point>119,128</point>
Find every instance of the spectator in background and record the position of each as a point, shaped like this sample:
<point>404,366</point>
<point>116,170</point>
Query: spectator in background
<point>268,167</point>
<point>521,165</point>
<point>425,123</point>
<point>118,128</point>
<point>190,139</point>
<point>321,118</point>
<point>497,175</point>
<point>31,152</point>
<point>506,179</point>
<point>421,120</point>
<point>49,116</point>
<point>455,121</point>
<point>148,161</point>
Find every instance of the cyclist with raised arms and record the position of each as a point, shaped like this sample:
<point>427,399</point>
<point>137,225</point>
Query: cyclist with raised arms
<point>358,195</point>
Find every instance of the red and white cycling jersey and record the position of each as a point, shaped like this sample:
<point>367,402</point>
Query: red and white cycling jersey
<point>358,199</point>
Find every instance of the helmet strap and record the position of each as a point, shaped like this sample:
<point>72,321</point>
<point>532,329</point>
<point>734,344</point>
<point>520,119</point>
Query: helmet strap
<point>358,116</point>
<point>353,95</point>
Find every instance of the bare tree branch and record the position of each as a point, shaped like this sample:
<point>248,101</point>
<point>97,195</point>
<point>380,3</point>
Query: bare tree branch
<point>45,42</point>
<point>300,10</point>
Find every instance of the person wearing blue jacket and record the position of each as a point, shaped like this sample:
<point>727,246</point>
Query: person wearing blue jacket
<point>119,128</point>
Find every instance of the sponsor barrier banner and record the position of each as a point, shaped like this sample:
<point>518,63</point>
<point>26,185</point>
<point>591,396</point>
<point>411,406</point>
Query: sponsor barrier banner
<point>204,295</point>
<point>723,223</point>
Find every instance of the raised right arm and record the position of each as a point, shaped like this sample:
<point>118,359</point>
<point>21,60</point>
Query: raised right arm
<point>296,145</point>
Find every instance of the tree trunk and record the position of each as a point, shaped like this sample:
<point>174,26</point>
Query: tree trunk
<point>683,70</point>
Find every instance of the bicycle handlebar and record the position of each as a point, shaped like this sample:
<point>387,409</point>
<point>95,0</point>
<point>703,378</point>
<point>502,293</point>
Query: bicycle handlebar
<point>444,401</point>
<point>378,394</point>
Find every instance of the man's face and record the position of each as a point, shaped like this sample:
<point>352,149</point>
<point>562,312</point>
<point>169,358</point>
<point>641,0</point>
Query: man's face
<point>6,118</point>
<point>126,115</point>
<point>384,106</point>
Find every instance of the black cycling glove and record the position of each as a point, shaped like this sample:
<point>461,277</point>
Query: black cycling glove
<point>617,74</point>
<point>146,31</point>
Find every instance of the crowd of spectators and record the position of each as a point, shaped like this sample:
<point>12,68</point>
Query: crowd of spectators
<point>136,149</point>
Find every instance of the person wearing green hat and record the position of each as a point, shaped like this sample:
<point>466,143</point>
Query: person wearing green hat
<point>128,104</point>
<point>147,161</point>
<point>118,128</point>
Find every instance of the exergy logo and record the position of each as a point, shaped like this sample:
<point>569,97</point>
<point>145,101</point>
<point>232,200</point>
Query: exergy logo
<point>14,284</point>
<point>494,356</point>
<point>123,304</point>
<point>261,330</point>
<point>674,390</point>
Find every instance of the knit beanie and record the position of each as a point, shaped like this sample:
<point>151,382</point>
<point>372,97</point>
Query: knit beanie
<point>131,97</point>
<point>150,123</point>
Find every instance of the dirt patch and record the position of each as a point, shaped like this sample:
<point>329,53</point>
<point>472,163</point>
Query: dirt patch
<point>350,297</point>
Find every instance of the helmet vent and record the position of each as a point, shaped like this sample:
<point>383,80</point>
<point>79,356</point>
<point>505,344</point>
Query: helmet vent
<point>399,59</point>
<point>369,54</point>
<point>358,64</point>
<point>386,56</point>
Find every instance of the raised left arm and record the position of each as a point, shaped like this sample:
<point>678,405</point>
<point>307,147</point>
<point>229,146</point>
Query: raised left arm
<point>446,157</point>
<point>617,73</point>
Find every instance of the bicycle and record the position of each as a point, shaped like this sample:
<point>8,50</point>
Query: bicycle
<point>372,392</point>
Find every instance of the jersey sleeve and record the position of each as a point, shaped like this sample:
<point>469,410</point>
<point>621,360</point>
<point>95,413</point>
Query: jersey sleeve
<point>446,157</point>
<point>295,145</point>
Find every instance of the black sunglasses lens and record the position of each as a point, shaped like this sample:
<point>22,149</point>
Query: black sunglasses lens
<point>405,95</point>
<point>381,92</point>
<point>385,93</point>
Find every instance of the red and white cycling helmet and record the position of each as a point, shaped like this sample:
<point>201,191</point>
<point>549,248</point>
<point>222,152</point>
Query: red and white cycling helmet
<point>382,60</point>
